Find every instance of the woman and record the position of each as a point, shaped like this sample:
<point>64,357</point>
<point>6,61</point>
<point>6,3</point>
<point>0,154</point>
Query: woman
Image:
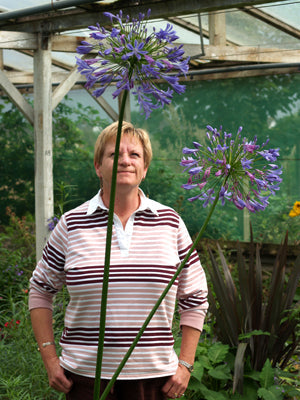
<point>149,241</point>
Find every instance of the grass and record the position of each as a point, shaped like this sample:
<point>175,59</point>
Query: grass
<point>22,373</point>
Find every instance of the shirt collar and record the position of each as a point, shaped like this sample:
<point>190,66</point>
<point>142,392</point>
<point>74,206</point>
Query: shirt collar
<point>97,202</point>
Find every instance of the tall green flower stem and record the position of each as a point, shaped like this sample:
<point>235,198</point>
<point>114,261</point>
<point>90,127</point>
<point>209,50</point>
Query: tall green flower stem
<point>108,251</point>
<point>159,301</point>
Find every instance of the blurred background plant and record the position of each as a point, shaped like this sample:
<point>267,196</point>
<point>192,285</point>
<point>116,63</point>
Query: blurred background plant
<point>214,366</point>
<point>257,313</point>
<point>22,375</point>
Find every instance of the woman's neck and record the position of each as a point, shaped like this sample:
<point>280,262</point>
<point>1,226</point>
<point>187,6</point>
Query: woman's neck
<point>125,204</point>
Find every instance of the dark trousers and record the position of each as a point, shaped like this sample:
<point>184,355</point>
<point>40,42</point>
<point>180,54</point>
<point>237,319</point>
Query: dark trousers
<point>140,389</point>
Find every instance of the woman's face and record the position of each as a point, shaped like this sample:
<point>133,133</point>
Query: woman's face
<point>131,164</point>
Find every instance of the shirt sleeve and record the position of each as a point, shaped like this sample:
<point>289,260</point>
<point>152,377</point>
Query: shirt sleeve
<point>192,287</point>
<point>49,275</point>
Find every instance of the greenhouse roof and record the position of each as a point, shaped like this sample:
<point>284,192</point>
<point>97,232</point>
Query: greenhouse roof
<point>223,38</point>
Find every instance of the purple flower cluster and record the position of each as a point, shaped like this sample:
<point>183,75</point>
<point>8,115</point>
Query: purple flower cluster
<point>132,58</point>
<point>52,223</point>
<point>237,170</point>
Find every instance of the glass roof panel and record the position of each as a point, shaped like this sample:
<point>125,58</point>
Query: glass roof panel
<point>244,29</point>
<point>288,12</point>
<point>17,60</point>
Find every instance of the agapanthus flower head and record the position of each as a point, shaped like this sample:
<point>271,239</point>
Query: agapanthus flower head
<point>237,170</point>
<point>133,57</point>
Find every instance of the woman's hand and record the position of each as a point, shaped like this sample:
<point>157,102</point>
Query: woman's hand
<point>177,384</point>
<point>56,376</point>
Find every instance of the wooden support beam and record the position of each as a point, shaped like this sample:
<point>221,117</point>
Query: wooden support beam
<point>104,104</point>
<point>16,97</point>
<point>66,43</point>
<point>244,54</point>
<point>1,60</point>
<point>64,87</point>
<point>43,141</point>
<point>18,40</point>
<point>26,78</point>
<point>217,28</point>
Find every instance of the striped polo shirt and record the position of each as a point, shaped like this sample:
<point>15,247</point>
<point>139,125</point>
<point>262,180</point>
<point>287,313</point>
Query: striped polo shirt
<point>144,257</point>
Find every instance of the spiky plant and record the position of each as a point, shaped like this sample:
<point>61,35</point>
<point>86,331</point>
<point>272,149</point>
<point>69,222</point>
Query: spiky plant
<point>261,322</point>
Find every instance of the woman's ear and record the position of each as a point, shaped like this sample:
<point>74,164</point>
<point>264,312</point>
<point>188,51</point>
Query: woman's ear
<point>98,169</point>
<point>145,172</point>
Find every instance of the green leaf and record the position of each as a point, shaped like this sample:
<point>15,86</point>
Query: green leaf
<point>204,361</point>
<point>201,350</point>
<point>272,393</point>
<point>194,384</point>
<point>249,390</point>
<point>221,372</point>
<point>198,371</point>
<point>254,375</point>
<point>256,332</point>
<point>217,352</point>
<point>267,375</point>
<point>210,394</point>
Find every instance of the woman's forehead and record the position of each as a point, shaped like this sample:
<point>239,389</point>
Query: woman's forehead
<point>127,138</point>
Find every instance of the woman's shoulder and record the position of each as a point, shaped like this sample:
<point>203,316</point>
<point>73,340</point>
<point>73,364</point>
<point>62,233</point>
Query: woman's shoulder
<point>81,209</point>
<point>161,208</point>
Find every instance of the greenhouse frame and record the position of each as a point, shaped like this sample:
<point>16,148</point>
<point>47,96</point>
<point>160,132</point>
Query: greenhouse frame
<point>244,42</point>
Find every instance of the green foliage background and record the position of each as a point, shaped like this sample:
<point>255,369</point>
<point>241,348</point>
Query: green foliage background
<point>265,106</point>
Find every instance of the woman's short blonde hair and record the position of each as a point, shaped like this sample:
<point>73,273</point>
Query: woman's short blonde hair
<point>110,132</point>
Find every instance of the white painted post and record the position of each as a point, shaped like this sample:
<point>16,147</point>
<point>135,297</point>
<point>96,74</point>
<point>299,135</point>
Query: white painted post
<point>43,141</point>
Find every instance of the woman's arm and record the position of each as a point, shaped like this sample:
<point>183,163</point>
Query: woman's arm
<point>41,320</point>
<point>177,384</point>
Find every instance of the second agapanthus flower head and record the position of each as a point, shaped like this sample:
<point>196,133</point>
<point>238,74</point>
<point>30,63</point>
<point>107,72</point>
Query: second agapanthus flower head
<point>134,58</point>
<point>234,169</point>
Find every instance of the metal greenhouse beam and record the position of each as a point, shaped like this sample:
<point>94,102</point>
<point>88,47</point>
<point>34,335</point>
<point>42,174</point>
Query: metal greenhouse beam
<point>28,11</point>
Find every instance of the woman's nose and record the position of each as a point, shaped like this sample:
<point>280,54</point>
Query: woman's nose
<point>124,159</point>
